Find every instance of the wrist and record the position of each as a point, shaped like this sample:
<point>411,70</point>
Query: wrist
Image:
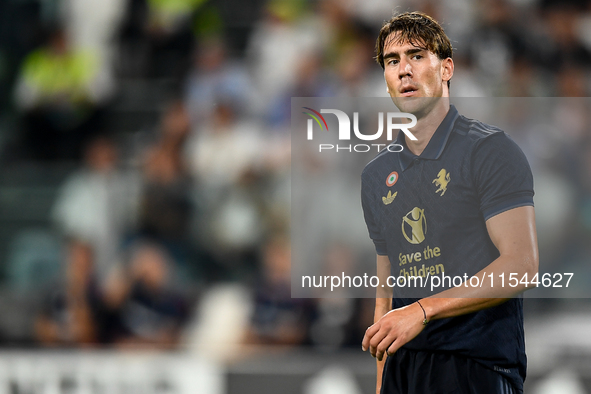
<point>433,307</point>
<point>426,319</point>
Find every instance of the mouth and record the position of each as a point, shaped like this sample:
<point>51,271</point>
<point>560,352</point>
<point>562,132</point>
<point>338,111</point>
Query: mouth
<point>408,90</point>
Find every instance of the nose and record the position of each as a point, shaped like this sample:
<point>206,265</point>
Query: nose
<point>404,68</point>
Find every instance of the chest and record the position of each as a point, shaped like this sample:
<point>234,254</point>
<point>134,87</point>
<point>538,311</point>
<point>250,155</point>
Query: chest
<point>440,192</point>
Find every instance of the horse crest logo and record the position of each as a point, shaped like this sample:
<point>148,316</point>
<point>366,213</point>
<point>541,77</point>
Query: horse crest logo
<point>442,181</point>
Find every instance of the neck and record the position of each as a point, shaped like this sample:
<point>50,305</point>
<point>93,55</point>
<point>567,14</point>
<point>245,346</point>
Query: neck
<point>426,127</point>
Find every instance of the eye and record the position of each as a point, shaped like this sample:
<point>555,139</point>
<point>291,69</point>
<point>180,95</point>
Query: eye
<point>417,56</point>
<point>392,62</point>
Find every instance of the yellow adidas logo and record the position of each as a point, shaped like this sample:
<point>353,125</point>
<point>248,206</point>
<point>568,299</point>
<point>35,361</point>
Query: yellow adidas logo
<point>389,198</point>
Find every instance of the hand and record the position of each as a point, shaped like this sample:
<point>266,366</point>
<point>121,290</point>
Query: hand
<point>393,330</point>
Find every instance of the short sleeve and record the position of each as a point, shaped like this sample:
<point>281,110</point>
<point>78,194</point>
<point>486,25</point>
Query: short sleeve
<point>371,223</point>
<point>502,175</point>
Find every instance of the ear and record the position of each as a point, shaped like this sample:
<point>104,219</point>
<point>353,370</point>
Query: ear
<point>447,69</point>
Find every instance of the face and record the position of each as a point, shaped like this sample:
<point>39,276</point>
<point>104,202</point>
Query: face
<point>412,72</point>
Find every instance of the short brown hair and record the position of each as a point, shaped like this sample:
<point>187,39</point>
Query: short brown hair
<point>417,28</point>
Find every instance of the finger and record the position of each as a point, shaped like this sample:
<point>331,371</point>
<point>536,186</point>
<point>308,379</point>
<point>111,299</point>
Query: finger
<point>369,333</point>
<point>397,344</point>
<point>376,340</point>
<point>384,345</point>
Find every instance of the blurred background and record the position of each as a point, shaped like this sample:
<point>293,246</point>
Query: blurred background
<point>145,187</point>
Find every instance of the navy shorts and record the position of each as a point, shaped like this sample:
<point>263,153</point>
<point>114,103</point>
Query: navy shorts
<point>422,372</point>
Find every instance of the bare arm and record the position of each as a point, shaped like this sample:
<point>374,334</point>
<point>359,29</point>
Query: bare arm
<point>383,306</point>
<point>514,234</point>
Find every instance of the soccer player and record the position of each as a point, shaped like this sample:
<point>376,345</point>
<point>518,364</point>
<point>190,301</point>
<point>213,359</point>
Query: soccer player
<point>458,200</point>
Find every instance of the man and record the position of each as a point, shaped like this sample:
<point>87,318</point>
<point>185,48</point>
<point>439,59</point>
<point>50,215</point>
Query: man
<point>457,200</point>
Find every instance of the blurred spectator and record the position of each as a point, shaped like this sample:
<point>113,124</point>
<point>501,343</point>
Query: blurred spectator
<point>93,24</point>
<point>226,158</point>
<point>340,321</point>
<point>214,77</point>
<point>572,82</point>
<point>495,41</point>
<point>166,207</point>
<point>339,28</point>
<point>98,204</point>
<point>170,16</point>
<point>156,38</point>
<point>276,43</point>
<point>221,151</point>
<point>71,311</point>
<point>35,258</point>
<point>59,94</point>
<point>355,68</point>
<point>524,80</point>
<point>145,307</point>
<point>311,80</point>
<point>278,319</point>
<point>466,83</point>
<point>562,45</point>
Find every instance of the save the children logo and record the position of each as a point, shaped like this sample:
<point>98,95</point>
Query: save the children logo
<point>394,121</point>
<point>414,226</point>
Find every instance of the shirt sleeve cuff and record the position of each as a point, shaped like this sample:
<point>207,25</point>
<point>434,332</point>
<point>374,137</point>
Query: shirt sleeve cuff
<point>381,248</point>
<point>507,204</point>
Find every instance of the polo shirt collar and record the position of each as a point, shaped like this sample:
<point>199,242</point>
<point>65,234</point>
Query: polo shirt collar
<point>436,144</point>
